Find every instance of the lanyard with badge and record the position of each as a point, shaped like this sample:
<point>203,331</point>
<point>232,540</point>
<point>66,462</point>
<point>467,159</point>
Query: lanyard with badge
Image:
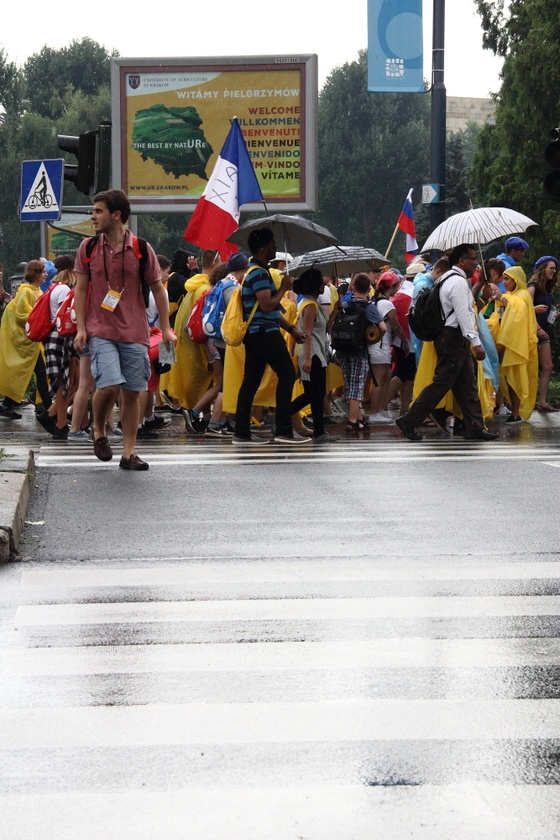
<point>112,298</point>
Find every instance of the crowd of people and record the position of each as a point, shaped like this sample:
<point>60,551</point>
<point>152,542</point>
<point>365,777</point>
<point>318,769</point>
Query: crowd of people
<point>147,342</point>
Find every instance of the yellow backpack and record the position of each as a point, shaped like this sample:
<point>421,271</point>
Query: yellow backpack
<point>234,327</point>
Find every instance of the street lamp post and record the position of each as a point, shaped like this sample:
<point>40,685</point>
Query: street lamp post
<point>438,116</point>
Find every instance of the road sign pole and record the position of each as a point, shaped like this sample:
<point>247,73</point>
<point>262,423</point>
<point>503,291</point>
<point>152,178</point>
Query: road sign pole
<point>438,115</point>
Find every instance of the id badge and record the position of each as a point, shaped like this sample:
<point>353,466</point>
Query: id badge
<point>111,300</point>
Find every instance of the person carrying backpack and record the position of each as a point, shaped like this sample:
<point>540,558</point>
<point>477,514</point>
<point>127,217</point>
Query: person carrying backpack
<point>455,347</point>
<point>111,319</point>
<point>348,339</point>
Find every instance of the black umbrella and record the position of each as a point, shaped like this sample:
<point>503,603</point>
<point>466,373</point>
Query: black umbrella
<point>332,260</point>
<point>291,233</point>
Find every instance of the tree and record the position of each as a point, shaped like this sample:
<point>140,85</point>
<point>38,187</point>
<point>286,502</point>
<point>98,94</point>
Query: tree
<point>509,165</point>
<point>51,75</point>
<point>373,147</point>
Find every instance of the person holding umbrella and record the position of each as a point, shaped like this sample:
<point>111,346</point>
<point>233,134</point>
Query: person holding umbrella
<point>264,344</point>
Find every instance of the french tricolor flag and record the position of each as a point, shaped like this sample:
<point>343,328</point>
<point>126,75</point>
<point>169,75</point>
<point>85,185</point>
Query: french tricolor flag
<point>233,183</point>
<point>406,224</point>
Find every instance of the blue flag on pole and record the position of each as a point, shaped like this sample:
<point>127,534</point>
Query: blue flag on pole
<point>395,47</point>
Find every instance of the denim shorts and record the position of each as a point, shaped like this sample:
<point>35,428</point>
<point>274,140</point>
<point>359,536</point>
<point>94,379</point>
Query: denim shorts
<point>119,363</point>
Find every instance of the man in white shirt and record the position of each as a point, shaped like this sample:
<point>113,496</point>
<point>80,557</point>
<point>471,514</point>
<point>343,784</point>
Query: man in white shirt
<point>455,346</point>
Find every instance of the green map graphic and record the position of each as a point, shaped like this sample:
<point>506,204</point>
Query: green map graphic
<point>173,139</point>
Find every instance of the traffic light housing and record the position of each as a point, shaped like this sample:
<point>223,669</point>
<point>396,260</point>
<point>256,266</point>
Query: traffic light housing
<point>551,183</point>
<point>82,174</point>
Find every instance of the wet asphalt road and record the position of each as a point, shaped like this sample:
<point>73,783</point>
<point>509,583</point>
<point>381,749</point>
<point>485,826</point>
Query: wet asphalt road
<point>357,641</point>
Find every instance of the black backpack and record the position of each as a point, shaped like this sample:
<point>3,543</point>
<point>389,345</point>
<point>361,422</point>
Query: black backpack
<point>348,336</point>
<point>425,316</point>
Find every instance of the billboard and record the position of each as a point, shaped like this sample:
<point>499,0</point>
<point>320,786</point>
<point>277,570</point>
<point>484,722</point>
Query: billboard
<point>171,117</point>
<point>395,46</point>
<point>65,236</point>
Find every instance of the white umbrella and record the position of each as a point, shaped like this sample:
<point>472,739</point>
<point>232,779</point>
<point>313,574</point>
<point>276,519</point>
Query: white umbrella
<point>477,226</point>
<point>330,260</point>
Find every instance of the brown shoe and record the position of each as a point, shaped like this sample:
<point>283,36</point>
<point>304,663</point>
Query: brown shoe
<point>102,449</point>
<point>133,463</point>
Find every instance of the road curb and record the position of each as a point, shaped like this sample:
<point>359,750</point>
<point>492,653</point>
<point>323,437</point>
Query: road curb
<point>17,471</point>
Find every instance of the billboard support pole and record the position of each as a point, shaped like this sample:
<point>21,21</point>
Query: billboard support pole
<point>438,114</point>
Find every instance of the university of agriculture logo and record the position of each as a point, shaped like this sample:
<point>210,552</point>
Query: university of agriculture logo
<point>134,81</point>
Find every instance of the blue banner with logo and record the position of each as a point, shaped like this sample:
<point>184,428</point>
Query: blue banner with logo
<point>395,46</point>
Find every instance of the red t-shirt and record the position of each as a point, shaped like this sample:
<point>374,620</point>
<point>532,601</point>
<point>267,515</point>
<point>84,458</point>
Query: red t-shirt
<point>120,271</point>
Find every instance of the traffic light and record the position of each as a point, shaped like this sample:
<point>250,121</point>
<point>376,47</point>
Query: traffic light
<point>551,182</point>
<point>83,147</point>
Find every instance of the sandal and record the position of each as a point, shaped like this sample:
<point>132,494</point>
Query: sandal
<point>358,426</point>
<point>547,408</point>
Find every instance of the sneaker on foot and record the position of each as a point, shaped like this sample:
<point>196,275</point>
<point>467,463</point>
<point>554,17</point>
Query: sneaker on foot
<point>157,423</point>
<point>192,421</point>
<point>81,435</point>
<point>502,411</point>
<point>379,419</point>
<point>439,417</point>
<point>295,439</point>
<point>326,437</point>
<point>514,419</point>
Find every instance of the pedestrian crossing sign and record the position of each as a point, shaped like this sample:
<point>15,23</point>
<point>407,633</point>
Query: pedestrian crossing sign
<point>41,190</point>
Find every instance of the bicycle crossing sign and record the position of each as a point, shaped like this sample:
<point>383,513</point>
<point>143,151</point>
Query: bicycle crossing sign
<point>41,190</point>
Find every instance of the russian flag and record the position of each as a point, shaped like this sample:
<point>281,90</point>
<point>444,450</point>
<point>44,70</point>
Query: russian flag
<point>233,182</point>
<point>406,224</point>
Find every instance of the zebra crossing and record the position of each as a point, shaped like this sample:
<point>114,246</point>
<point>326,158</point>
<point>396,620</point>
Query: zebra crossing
<point>387,450</point>
<point>283,697</point>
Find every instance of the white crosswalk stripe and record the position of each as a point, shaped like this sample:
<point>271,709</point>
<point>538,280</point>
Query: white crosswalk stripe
<point>374,450</point>
<point>135,708</point>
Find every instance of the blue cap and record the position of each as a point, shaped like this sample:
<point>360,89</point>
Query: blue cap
<point>542,260</point>
<point>516,242</point>
<point>237,262</point>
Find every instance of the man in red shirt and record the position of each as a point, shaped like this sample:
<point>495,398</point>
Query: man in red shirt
<point>111,320</point>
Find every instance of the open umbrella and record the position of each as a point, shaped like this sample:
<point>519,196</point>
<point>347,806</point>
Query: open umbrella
<point>292,233</point>
<point>331,260</point>
<point>477,226</point>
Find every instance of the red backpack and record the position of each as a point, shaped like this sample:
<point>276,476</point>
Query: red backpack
<point>194,327</point>
<point>38,324</point>
<point>66,316</point>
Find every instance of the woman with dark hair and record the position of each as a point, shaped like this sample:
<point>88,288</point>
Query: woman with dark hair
<point>312,353</point>
<point>541,287</point>
<point>20,357</point>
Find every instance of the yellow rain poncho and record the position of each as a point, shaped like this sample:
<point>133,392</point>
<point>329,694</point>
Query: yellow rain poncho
<point>517,342</point>
<point>18,355</point>
<point>189,378</point>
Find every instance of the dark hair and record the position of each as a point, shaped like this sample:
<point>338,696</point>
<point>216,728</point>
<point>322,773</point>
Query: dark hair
<point>459,252</point>
<point>258,238</point>
<point>361,283</point>
<point>309,283</point>
<point>442,265</point>
<point>164,262</point>
<point>218,273</point>
<point>208,258</point>
<point>115,200</point>
<point>64,262</point>
<point>493,264</point>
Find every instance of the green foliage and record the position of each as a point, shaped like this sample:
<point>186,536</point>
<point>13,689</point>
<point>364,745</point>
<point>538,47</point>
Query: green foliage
<point>373,147</point>
<point>51,75</point>
<point>509,164</point>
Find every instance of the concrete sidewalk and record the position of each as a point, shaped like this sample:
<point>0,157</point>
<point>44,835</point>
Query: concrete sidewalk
<point>17,470</point>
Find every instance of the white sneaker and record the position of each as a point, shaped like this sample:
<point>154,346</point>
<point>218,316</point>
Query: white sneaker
<point>386,414</point>
<point>503,411</point>
<point>379,419</point>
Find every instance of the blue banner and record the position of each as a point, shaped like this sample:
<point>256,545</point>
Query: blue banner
<point>395,46</point>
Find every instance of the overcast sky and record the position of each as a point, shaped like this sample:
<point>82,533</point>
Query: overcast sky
<point>335,32</point>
